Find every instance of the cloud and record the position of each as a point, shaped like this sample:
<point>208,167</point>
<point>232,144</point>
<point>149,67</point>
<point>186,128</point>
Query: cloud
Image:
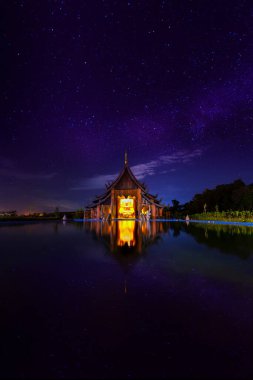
<point>50,204</point>
<point>33,176</point>
<point>8,169</point>
<point>150,168</point>
<point>143,170</point>
<point>37,204</point>
<point>96,182</point>
<point>25,176</point>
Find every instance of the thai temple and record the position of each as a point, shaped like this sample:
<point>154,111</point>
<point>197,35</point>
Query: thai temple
<point>125,198</point>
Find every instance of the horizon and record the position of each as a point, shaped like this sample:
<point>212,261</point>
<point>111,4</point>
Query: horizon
<point>27,212</point>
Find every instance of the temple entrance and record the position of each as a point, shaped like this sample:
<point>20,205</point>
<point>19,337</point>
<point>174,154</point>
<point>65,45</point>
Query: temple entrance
<point>126,207</point>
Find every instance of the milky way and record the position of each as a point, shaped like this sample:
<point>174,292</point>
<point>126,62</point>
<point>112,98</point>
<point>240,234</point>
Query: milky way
<point>170,81</point>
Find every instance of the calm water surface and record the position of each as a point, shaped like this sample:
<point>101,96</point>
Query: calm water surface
<point>126,300</point>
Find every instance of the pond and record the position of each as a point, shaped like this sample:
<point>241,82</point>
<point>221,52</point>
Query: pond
<point>126,300</point>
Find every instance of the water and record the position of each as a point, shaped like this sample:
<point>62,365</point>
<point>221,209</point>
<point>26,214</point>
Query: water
<point>126,300</point>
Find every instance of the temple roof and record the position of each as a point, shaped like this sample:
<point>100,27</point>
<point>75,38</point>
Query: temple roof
<point>126,177</point>
<point>126,180</point>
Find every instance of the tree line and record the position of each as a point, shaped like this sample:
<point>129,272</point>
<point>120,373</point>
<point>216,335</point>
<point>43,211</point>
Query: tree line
<point>235,196</point>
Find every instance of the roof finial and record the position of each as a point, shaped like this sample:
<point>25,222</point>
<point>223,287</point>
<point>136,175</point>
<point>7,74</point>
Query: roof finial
<point>126,160</point>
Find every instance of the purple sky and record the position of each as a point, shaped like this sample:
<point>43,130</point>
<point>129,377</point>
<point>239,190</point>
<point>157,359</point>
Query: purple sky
<point>81,81</point>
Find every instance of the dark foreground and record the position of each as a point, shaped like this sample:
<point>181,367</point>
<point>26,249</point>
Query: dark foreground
<point>78,302</point>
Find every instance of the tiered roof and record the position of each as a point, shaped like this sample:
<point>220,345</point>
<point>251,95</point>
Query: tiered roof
<point>126,180</point>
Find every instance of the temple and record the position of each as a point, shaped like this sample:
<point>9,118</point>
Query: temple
<point>125,198</point>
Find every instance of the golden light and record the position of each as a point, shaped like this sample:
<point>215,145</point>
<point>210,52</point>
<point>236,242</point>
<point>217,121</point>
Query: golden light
<point>126,233</point>
<point>145,210</point>
<point>126,208</point>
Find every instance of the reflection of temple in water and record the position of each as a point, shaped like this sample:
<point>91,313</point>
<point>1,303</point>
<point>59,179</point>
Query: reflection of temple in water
<point>131,236</point>
<point>126,240</point>
<point>127,235</point>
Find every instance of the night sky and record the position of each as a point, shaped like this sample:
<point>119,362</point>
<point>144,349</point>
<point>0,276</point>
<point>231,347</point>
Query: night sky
<point>81,81</point>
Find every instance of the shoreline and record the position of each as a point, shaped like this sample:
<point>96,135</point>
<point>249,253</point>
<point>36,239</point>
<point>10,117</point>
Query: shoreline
<point>15,220</point>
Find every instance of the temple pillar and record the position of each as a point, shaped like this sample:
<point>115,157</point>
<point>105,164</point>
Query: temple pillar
<point>98,211</point>
<point>113,204</point>
<point>153,211</point>
<point>139,203</point>
<point>160,212</point>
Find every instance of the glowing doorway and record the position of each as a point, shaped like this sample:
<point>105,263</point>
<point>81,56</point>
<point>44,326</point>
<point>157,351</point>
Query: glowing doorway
<point>126,208</point>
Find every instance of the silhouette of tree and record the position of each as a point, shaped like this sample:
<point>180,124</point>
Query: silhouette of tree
<point>233,196</point>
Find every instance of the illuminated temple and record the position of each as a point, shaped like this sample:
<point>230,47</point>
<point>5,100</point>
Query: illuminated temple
<point>125,198</point>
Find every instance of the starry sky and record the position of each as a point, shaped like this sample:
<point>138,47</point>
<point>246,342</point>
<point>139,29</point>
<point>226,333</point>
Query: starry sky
<point>81,81</point>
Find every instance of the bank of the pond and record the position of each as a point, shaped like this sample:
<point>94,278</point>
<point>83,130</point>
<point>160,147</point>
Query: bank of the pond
<point>237,223</point>
<point>228,222</point>
<point>225,216</point>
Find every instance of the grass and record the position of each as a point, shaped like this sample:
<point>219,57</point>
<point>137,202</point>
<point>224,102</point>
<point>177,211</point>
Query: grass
<point>227,216</point>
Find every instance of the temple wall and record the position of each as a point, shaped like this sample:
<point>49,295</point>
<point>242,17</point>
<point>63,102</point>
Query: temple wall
<point>104,210</point>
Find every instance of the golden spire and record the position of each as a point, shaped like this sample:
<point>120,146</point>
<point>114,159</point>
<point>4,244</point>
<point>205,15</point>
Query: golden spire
<point>126,160</point>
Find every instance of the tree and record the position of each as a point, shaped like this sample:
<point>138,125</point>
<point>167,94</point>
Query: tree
<point>57,212</point>
<point>79,213</point>
<point>232,196</point>
<point>166,211</point>
<point>175,204</point>
<point>176,208</point>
